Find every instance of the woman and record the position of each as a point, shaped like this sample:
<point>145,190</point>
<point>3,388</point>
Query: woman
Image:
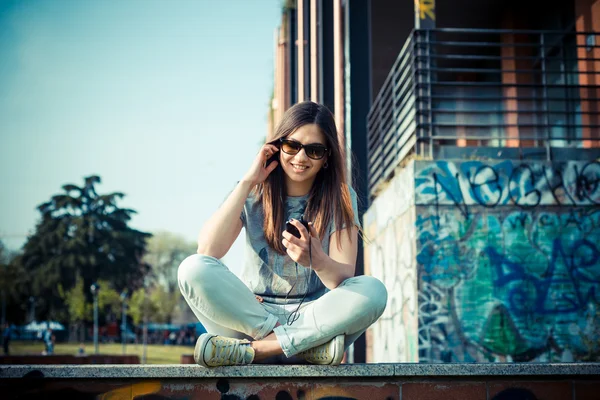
<point>298,295</point>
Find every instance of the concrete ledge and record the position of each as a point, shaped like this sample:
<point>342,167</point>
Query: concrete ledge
<point>576,381</point>
<point>57,372</point>
<point>62,359</point>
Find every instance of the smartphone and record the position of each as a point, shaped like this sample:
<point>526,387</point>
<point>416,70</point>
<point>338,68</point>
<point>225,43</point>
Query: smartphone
<point>274,157</point>
<point>293,230</point>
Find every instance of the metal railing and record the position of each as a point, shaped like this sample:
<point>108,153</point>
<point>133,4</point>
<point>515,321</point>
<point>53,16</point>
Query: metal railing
<point>496,88</point>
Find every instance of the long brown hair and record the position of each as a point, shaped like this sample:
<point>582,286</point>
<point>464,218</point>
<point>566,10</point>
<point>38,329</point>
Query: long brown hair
<point>329,198</point>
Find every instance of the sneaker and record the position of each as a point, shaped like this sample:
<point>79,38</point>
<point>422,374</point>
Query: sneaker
<point>217,351</point>
<point>330,353</point>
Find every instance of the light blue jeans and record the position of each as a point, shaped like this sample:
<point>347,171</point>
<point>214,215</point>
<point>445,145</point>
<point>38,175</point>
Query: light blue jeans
<point>225,306</point>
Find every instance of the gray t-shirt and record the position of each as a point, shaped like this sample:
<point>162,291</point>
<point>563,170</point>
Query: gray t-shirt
<point>274,276</point>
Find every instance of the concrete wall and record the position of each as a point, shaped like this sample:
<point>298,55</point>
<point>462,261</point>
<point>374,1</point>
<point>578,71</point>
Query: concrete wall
<point>507,256</point>
<point>509,263</point>
<point>64,359</point>
<point>390,256</point>
<point>294,382</point>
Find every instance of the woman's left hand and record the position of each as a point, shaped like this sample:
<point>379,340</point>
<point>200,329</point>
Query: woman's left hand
<point>298,248</point>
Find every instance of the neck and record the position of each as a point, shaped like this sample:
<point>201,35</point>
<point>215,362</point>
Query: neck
<point>297,189</point>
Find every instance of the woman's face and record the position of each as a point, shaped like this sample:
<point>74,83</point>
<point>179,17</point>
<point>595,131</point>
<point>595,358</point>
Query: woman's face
<point>300,168</point>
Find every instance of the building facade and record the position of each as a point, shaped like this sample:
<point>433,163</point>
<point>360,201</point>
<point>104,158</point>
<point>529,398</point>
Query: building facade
<point>483,182</point>
<point>322,54</point>
<point>475,138</point>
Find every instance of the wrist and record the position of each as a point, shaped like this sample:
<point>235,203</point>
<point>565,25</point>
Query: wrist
<point>320,261</point>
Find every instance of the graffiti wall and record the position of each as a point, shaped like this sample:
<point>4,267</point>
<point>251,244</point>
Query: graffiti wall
<point>508,257</point>
<point>390,256</point>
<point>487,261</point>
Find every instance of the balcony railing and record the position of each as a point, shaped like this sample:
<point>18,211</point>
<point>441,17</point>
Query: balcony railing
<point>495,88</point>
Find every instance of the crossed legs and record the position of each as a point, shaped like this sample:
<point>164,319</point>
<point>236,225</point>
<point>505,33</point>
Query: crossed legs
<point>225,306</point>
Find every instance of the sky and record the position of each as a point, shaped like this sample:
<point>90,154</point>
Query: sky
<point>165,100</point>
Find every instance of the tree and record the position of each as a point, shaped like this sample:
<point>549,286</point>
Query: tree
<point>12,302</point>
<point>140,304</point>
<point>165,304</point>
<point>81,311</point>
<point>166,251</point>
<point>82,237</point>
<point>78,309</point>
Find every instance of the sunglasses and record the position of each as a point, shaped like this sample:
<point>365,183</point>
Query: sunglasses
<point>314,151</point>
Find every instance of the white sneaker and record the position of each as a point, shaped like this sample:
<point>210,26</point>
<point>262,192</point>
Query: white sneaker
<point>330,353</point>
<point>216,351</point>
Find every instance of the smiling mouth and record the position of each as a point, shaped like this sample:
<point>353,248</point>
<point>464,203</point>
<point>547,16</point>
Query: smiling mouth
<point>300,167</point>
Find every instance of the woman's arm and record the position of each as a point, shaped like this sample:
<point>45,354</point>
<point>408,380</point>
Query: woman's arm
<point>224,226</point>
<point>340,264</point>
<point>332,269</point>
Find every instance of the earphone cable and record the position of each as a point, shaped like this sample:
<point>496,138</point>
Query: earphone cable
<point>293,317</point>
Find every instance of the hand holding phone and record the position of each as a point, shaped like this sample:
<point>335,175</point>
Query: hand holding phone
<point>274,157</point>
<point>293,230</point>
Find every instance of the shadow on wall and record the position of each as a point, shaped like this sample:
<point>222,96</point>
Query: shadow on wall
<point>515,394</point>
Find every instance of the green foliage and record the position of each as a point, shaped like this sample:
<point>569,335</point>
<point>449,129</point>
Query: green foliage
<point>109,300</point>
<point>12,286</point>
<point>158,305</point>
<point>80,309</point>
<point>9,272</point>
<point>165,304</point>
<point>82,235</point>
<point>75,300</point>
<point>3,254</point>
<point>136,306</point>
<point>140,304</point>
<point>166,251</point>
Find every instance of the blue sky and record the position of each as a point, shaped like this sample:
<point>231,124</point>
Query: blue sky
<point>165,100</point>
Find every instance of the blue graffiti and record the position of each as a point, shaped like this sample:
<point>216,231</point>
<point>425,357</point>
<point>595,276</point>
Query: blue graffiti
<point>506,183</point>
<point>529,293</point>
<point>523,237</point>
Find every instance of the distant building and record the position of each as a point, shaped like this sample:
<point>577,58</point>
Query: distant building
<point>475,128</point>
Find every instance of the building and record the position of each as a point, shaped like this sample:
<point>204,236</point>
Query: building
<point>475,133</point>
<point>312,62</point>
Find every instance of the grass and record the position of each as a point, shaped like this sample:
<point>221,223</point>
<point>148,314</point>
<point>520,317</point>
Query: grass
<point>156,353</point>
